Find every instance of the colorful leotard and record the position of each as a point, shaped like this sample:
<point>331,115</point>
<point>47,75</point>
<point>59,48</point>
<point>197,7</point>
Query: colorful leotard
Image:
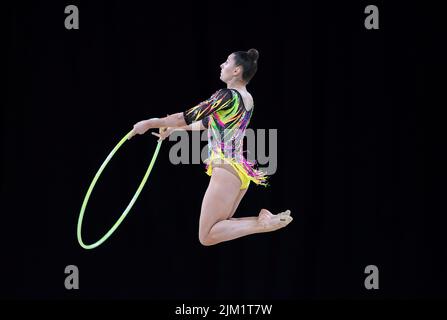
<point>226,118</point>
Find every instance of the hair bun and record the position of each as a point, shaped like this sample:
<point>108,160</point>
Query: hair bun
<point>253,54</point>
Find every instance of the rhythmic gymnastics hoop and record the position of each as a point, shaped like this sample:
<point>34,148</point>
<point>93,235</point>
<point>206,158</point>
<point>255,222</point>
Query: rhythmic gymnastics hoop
<point>129,206</point>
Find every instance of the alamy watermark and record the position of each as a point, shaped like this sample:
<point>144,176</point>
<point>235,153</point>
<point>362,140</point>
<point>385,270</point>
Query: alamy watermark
<point>72,280</point>
<point>261,146</point>
<point>372,280</point>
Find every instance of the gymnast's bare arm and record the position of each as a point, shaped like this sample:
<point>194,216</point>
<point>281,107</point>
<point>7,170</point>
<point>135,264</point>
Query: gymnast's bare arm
<point>166,132</point>
<point>195,126</point>
<point>174,120</point>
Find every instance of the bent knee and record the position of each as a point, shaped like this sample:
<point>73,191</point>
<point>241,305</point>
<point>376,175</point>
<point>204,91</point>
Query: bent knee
<point>205,239</point>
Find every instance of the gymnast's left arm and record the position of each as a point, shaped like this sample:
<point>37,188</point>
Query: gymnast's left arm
<point>218,101</point>
<point>174,120</point>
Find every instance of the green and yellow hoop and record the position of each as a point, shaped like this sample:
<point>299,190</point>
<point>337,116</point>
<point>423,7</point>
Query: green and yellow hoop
<point>129,206</point>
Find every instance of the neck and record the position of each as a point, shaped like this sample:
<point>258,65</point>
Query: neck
<point>236,84</point>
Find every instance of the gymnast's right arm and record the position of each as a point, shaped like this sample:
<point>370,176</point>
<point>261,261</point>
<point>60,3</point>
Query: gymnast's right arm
<point>175,120</point>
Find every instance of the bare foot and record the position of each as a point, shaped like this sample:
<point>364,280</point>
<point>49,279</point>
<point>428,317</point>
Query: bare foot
<point>273,222</point>
<point>264,213</point>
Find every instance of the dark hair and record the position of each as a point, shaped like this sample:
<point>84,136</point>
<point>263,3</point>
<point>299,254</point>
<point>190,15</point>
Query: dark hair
<point>249,62</point>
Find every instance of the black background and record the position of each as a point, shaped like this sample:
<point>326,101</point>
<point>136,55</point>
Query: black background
<point>348,104</point>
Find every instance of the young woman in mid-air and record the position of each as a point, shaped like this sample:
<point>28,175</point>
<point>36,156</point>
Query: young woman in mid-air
<point>226,115</point>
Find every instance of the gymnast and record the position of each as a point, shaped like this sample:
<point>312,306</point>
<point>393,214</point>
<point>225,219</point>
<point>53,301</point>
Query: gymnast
<point>226,115</point>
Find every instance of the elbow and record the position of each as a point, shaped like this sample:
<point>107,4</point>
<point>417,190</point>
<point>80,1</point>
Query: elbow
<point>176,120</point>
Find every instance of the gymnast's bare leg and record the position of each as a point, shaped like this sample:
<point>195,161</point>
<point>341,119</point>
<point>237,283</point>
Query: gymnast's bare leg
<point>220,202</point>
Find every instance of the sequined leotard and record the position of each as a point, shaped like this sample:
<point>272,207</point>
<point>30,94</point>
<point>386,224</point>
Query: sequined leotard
<point>226,118</point>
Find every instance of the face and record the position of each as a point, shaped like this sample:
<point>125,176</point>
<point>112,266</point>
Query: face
<point>229,70</point>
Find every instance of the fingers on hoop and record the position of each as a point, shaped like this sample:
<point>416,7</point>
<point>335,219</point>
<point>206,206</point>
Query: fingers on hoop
<point>157,135</point>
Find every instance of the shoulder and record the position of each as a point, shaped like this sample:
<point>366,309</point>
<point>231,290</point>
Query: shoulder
<point>223,93</point>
